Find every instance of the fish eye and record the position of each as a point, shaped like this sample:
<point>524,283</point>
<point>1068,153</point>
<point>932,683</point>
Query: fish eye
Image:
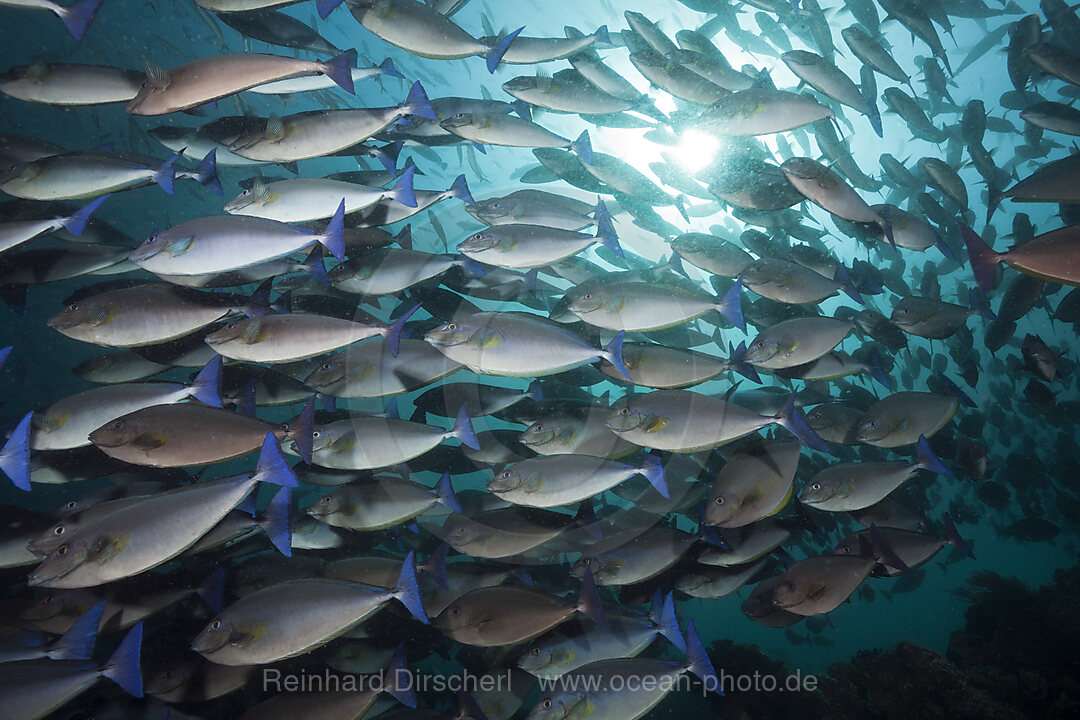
<point>454,612</point>
<point>216,625</point>
<point>246,193</point>
<point>536,651</point>
<point>546,704</point>
<point>118,425</point>
<point>478,236</point>
<point>326,366</point>
<point>789,585</point>
<point>587,296</point>
<point>495,206</point>
<point>759,344</point>
<point>72,505</point>
<point>587,561</point>
<point>58,530</point>
<point>720,500</point>
<point>315,434</point>
<point>845,549</point>
<point>62,550</point>
<point>871,423</point>
<point>624,411</point>
<point>47,599</point>
<point>506,474</point>
<point>326,500</point>
<point>538,427</point>
<point>73,307</point>
<point>816,486</point>
<point>451,327</point>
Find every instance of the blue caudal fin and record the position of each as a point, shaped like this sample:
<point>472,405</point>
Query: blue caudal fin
<point>612,352</point>
<point>582,147</point>
<point>325,7</point>
<point>460,190</point>
<point>408,592</point>
<point>953,389</point>
<point>76,223</point>
<point>212,590</point>
<point>534,392</point>
<point>668,624</point>
<point>530,279</point>
<point>605,235</point>
<point>436,565</point>
<point>339,69</point>
<point>941,245</point>
<point>848,287</point>
<point>472,267</point>
<point>301,429</point>
<point>390,411</point>
<point>392,335</point>
<point>400,685</point>
<point>792,418</point>
<point>444,493</point>
<point>463,429</point>
<point>494,56</point>
<point>275,521</point>
<point>247,505</point>
<point>601,35</point>
<point>468,707</point>
<point>333,235</point>
<point>522,109</point>
<point>15,455</point>
<point>653,470</point>
<point>877,371</point>
<point>78,642</point>
<point>245,400</point>
<point>886,222</point>
<point>417,103</point>
<point>979,305</point>
<point>207,386</point>
<point>953,537</point>
<point>4,352</point>
<point>730,306</point>
<point>206,173</point>
<point>983,259</point>
<point>123,667</point>
<point>387,155</point>
<point>78,17</point>
<point>404,237</point>
<point>713,537</point>
<point>271,466</point>
<point>314,266</point>
<point>402,190</point>
<point>259,302</point>
<point>165,176</point>
<point>737,362</point>
<point>927,460</point>
<point>386,67</point>
<point>479,148</point>
<point>875,118</point>
<point>697,661</point>
<point>589,601</point>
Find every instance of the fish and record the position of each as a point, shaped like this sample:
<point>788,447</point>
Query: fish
<point>208,79</point>
<point>147,533</point>
<point>856,486</point>
<point>506,615</point>
<point>290,618</point>
<point>901,418</point>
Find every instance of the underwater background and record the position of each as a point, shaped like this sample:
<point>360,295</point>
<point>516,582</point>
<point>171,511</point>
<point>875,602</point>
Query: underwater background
<point>1017,516</point>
